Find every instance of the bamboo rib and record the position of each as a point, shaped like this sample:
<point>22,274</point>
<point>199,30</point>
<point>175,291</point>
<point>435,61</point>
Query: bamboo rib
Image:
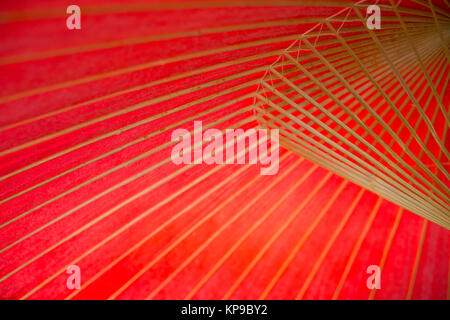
<point>103,215</point>
<point>439,30</point>
<point>377,117</point>
<point>340,123</point>
<point>241,239</point>
<point>364,133</point>
<point>122,183</point>
<point>430,126</point>
<point>387,246</point>
<point>330,242</point>
<point>38,13</point>
<point>216,233</point>
<point>300,243</point>
<point>142,241</point>
<point>246,271</point>
<point>355,249</point>
<point>373,184</point>
<point>394,69</point>
<point>412,185</point>
<point>321,124</point>
<point>61,174</point>
<point>72,190</point>
<point>308,145</point>
<point>331,131</point>
<point>153,64</point>
<point>126,145</point>
<point>54,53</point>
<point>164,80</point>
<point>417,260</point>
<point>134,142</point>
<point>111,8</point>
<point>332,167</point>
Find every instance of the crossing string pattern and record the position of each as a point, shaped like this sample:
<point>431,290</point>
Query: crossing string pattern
<point>86,176</point>
<point>378,117</point>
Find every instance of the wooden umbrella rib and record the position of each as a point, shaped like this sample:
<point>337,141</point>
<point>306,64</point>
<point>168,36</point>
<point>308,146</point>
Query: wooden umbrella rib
<point>413,99</point>
<point>308,128</point>
<point>103,215</point>
<point>320,130</point>
<point>427,76</point>
<point>369,109</point>
<point>344,108</point>
<point>160,228</point>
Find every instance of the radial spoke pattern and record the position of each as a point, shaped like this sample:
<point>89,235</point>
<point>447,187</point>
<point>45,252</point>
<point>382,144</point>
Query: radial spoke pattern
<point>86,176</point>
<point>369,105</point>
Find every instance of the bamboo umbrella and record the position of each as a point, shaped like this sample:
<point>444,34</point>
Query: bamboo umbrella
<point>86,171</point>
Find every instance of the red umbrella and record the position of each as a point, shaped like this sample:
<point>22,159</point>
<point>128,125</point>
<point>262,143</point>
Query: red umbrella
<point>91,98</point>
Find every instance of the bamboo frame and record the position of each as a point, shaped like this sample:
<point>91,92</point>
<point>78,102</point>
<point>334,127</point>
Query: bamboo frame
<point>326,128</point>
